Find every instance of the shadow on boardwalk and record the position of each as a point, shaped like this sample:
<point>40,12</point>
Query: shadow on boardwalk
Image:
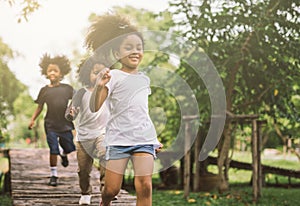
<point>30,175</point>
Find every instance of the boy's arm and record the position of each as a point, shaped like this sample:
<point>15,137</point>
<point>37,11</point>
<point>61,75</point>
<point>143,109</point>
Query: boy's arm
<point>37,112</point>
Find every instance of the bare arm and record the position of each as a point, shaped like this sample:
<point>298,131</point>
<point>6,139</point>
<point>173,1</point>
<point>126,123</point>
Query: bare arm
<point>71,112</point>
<point>100,92</point>
<point>98,97</point>
<point>37,112</point>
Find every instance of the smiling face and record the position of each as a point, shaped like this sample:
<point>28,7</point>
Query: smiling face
<point>131,52</point>
<point>54,74</point>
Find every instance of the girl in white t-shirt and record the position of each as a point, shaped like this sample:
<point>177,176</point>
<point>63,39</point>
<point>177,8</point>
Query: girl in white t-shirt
<point>130,133</point>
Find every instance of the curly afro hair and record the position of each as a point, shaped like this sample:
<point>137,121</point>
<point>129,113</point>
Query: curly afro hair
<point>106,28</point>
<point>86,66</point>
<point>60,60</point>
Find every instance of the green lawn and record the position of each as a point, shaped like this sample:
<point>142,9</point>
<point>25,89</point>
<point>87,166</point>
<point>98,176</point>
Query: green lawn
<point>237,196</point>
<point>240,190</point>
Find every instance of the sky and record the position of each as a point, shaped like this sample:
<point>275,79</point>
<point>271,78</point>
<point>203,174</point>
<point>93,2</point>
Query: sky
<point>58,27</point>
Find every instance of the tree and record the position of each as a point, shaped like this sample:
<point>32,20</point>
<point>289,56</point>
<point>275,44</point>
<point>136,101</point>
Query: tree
<point>255,47</point>
<point>10,88</point>
<point>27,7</point>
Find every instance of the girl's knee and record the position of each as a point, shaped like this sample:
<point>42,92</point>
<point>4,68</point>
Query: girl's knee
<point>143,183</point>
<point>110,191</point>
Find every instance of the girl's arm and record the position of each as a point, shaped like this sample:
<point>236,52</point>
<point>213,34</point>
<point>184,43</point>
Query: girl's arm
<point>98,97</point>
<point>37,112</point>
<point>100,92</point>
<point>74,107</point>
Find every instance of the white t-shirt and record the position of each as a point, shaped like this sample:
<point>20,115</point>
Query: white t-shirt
<point>90,125</point>
<point>129,123</point>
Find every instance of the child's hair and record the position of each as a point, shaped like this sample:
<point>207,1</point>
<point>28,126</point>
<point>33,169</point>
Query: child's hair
<point>86,66</point>
<point>60,60</point>
<point>106,28</point>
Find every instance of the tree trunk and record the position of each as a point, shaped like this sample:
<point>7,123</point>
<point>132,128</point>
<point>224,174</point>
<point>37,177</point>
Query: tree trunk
<point>222,158</point>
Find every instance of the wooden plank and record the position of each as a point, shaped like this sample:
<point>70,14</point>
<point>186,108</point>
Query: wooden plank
<point>265,168</point>
<point>30,175</point>
<point>254,161</point>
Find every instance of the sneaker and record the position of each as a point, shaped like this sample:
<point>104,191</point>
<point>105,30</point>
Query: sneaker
<point>64,160</point>
<point>85,200</point>
<point>53,181</point>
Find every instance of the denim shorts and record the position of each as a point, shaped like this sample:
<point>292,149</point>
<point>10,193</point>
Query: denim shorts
<point>64,139</point>
<point>121,152</point>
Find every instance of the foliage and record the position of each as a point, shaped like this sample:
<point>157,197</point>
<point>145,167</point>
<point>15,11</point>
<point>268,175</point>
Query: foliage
<point>24,108</point>
<point>255,47</point>
<point>10,88</point>
<point>27,7</point>
<point>246,39</point>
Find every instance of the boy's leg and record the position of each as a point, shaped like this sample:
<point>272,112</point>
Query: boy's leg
<point>85,163</point>
<point>53,160</point>
<point>66,142</point>
<point>53,146</point>
<point>143,164</point>
<point>54,151</point>
<point>113,179</point>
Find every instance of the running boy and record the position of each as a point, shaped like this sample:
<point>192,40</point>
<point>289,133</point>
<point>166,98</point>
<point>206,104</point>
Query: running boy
<point>56,96</point>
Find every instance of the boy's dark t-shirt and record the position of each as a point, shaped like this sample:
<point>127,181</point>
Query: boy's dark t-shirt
<point>56,99</point>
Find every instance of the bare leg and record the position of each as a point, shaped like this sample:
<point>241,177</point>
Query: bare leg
<point>143,164</point>
<point>113,179</point>
<point>53,160</point>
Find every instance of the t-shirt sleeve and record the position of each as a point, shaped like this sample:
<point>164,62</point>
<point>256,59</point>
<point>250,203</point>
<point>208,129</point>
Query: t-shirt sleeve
<point>41,96</point>
<point>77,98</point>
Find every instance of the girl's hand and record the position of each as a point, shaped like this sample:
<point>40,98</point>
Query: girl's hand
<point>103,78</point>
<point>157,150</point>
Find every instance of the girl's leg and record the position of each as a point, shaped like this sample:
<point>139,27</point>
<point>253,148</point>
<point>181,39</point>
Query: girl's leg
<point>113,179</point>
<point>143,164</point>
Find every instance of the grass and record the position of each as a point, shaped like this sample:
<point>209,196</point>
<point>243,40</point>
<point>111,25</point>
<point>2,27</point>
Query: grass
<point>5,199</point>
<point>238,196</point>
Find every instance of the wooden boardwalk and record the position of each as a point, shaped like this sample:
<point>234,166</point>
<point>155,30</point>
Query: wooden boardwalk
<point>30,175</point>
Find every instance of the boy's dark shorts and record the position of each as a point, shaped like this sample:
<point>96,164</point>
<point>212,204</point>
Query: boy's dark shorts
<point>64,139</point>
